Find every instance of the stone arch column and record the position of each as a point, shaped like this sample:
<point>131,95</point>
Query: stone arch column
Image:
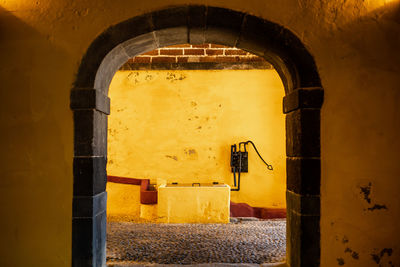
<point>197,25</point>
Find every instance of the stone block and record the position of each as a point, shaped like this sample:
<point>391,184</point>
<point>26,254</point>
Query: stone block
<point>170,18</point>
<point>88,98</point>
<point>303,98</point>
<point>223,31</point>
<point>197,24</point>
<point>140,44</point>
<point>108,67</point>
<point>107,41</point>
<point>257,34</point>
<point>89,206</point>
<point>89,241</point>
<point>172,36</point>
<point>303,240</point>
<point>90,133</point>
<point>303,175</point>
<point>90,176</point>
<point>303,133</point>
<point>303,204</point>
<point>259,37</point>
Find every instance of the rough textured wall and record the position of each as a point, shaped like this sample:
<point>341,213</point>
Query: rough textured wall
<point>355,46</point>
<point>178,126</point>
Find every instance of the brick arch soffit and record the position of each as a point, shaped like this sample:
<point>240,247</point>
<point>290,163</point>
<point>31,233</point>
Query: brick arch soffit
<point>197,25</point>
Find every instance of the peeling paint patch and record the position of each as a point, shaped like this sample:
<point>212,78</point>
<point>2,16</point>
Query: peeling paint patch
<point>172,157</point>
<point>377,257</point>
<point>340,261</point>
<point>355,255</point>
<point>172,77</point>
<point>378,207</point>
<point>133,77</point>
<point>191,153</point>
<point>366,191</point>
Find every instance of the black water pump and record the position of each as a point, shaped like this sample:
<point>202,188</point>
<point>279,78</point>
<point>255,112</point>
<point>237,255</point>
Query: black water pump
<point>239,162</point>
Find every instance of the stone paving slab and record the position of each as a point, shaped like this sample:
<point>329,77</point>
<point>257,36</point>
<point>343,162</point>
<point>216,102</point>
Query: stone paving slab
<point>244,243</point>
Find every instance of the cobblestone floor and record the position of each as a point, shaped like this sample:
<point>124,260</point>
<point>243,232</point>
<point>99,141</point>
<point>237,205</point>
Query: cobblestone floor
<point>244,241</point>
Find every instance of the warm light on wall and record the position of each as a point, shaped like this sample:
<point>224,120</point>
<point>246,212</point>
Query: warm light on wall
<point>383,2</point>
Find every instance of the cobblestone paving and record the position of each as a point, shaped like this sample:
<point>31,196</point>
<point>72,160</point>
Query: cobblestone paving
<point>241,242</point>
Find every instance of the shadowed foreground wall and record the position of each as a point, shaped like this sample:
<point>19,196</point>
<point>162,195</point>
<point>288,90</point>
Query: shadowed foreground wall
<point>177,126</point>
<point>355,47</point>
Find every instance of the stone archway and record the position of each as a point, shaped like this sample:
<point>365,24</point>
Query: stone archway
<point>197,25</point>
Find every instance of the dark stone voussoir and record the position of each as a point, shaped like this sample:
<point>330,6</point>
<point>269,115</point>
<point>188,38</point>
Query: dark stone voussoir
<point>90,133</point>
<point>262,36</point>
<point>303,175</point>
<point>88,98</point>
<point>223,31</point>
<point>258,35</point>
<point>303,98</point>
<point>105,42</point>
<point>170,18</point>
<point>303,133</point>
<point>90,175</point>
<point>197,24</point>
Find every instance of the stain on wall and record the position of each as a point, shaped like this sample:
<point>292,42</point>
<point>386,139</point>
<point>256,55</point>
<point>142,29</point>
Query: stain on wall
<point>385,253</point>
<point>366,192</point>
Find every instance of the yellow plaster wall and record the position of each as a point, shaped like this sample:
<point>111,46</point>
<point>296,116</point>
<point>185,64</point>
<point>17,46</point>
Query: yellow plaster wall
<point>355,46</point>
<point>178,126</point>
<point>123,202</point>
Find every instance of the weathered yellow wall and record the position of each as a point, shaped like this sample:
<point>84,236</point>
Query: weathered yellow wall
<point>178,126</point>
<point>355,46</point>
<point>123,202</point>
